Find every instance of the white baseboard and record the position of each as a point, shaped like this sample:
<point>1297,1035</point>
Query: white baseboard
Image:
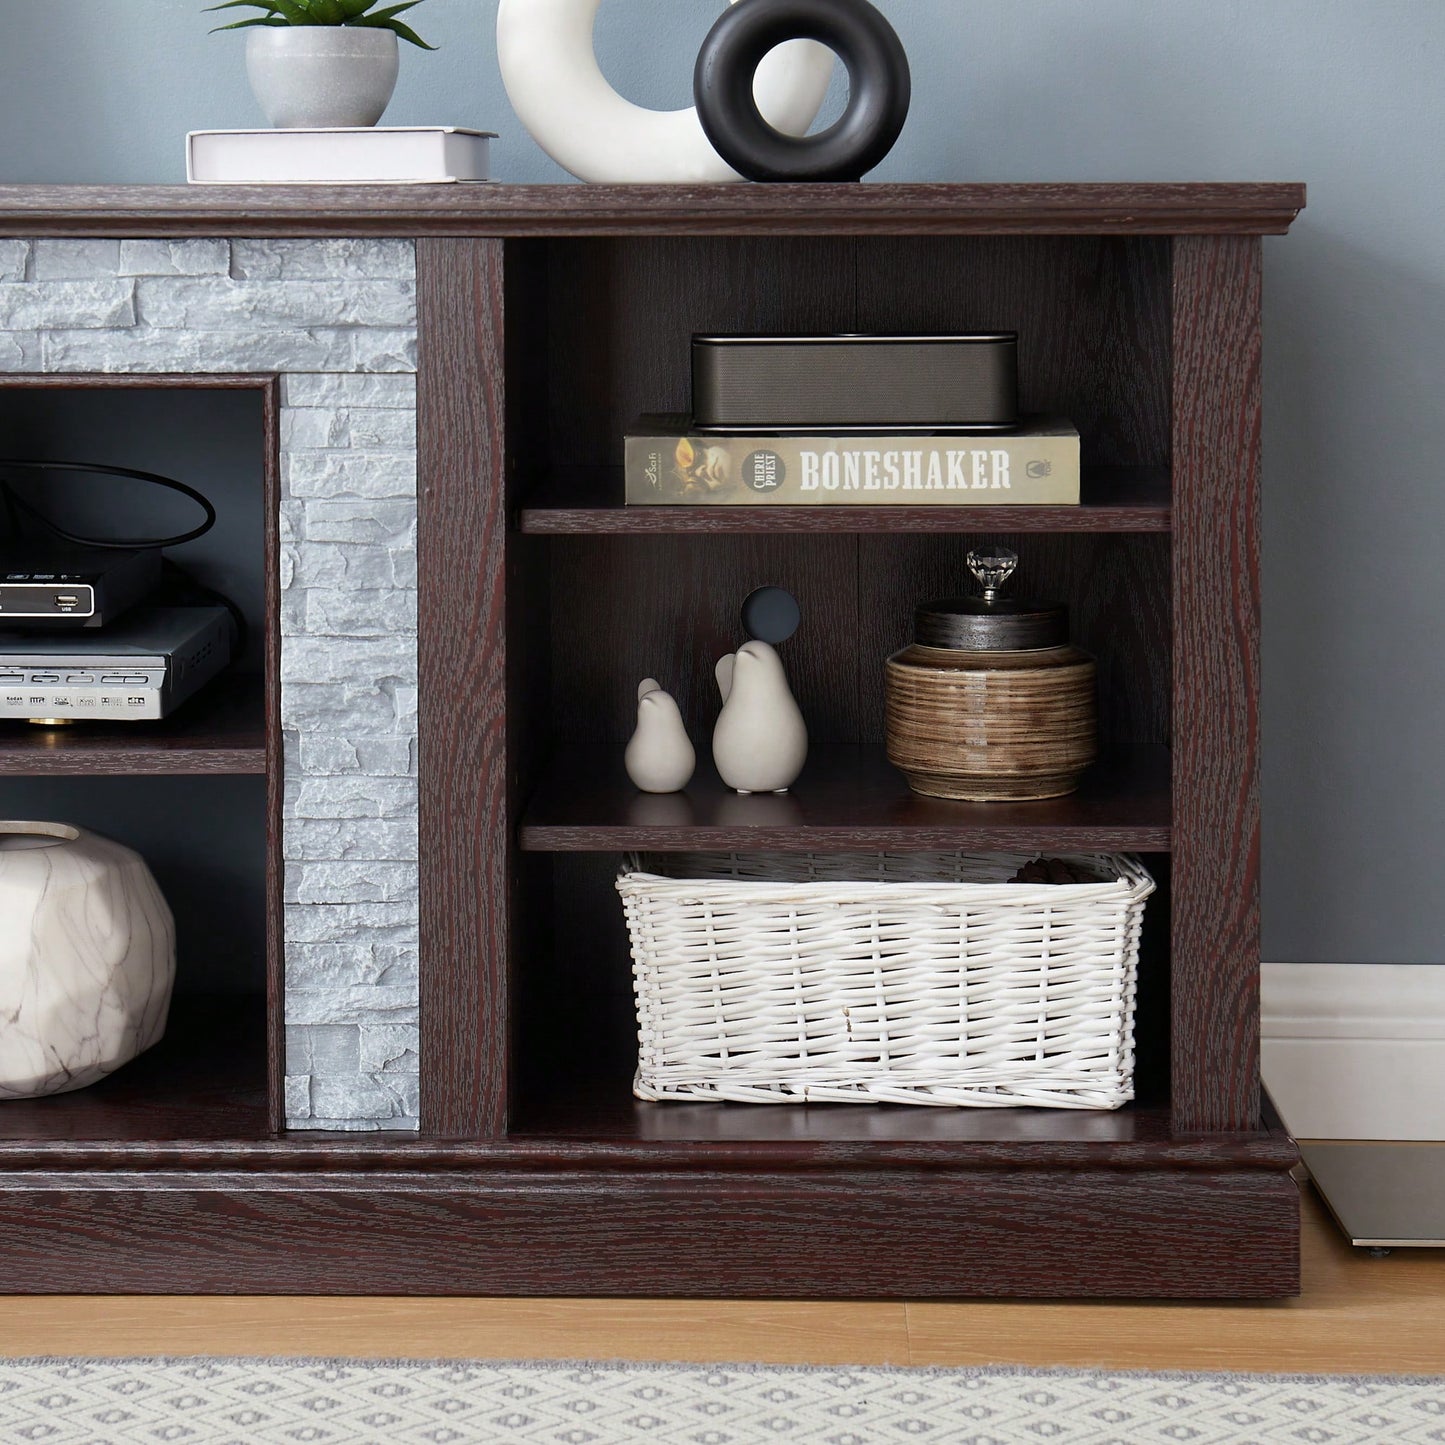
<point>1356,1051</point>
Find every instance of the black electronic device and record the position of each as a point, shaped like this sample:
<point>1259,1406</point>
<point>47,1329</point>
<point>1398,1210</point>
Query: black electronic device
<point>962,382</point>
<point>44,587</point>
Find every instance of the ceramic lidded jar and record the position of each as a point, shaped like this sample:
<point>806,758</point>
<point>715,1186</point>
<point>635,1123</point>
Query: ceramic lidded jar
<point>992,703</point>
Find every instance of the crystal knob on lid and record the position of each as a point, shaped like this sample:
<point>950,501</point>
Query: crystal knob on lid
<point>992,622</point>
<point>993,569</point>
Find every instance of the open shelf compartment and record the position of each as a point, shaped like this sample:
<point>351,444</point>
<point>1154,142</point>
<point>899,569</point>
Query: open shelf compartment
<point>602,595</point>
<point>575,1053</point>
<point>194,793</point>
<point>602,612</point>
<point>599,332</point>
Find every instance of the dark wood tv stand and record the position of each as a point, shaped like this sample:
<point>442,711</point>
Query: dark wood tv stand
<point>549,317</point>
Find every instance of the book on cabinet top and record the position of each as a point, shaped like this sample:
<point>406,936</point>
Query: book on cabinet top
<point>348,155</point>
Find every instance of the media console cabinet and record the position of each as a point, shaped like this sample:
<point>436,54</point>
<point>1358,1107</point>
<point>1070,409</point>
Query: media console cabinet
<point>545,319</point>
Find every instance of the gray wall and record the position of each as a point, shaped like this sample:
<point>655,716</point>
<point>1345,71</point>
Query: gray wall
<point>1343,94</point>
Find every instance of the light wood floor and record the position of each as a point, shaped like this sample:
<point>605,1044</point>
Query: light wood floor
<point>1356,1315</point>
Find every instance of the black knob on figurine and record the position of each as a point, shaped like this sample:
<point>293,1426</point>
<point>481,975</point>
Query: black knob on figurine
<point>880,89</point>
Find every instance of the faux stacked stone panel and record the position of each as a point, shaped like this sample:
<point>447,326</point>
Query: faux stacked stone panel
<point>337,320</point>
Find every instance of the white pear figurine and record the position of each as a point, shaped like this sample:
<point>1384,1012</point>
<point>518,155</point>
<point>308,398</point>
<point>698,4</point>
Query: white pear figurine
<point>660,758</point>
<point>760,742</point>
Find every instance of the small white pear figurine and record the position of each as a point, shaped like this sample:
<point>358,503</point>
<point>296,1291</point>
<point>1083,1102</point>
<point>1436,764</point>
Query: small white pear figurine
<point>760,742</point>
<point>660,758</point>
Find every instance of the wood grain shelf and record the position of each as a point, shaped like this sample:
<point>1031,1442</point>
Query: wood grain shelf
<point>580,500</point>
<point>220,731</point>
<point>605,1119</point>
<point>602,1128</point>
<point>493,210</point>
<point>848,798</point>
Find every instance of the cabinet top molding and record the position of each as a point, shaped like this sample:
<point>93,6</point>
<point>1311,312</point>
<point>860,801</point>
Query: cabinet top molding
<point>1152,208</point>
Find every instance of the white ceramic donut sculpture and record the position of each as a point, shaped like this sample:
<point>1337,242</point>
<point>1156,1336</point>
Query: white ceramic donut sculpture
<point>553,80</point>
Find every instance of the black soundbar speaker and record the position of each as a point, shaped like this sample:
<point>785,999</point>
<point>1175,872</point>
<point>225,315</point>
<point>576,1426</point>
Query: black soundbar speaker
<point>856,383</point>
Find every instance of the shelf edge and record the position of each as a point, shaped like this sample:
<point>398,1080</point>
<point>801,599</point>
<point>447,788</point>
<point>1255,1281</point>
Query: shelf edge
<point>240,762</point>
<point>609,838</point>
<point>652,521</point>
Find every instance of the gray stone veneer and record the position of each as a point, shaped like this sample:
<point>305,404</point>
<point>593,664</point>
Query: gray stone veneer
<point>337,318</point>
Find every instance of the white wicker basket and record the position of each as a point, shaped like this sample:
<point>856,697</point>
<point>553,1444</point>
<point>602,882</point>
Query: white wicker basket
<point>896,978</point>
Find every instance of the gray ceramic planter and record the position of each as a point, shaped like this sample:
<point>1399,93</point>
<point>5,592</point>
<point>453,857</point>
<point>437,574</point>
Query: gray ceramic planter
<point>322,75</point>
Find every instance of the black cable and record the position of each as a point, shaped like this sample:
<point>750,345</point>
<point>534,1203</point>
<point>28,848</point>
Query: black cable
<point>15,503</point>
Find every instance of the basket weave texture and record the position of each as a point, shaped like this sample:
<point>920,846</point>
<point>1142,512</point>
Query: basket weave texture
<point>887,978</point>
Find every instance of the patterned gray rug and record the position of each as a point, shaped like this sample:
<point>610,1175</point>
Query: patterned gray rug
<point>358,1402</point>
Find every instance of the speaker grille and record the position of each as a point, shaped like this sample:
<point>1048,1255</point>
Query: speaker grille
<point>947,383</point>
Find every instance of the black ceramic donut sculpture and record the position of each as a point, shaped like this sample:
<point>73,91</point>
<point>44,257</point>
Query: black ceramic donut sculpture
<point>880,89</point>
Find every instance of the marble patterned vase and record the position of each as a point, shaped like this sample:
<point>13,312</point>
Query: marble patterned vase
<point>87,958</point>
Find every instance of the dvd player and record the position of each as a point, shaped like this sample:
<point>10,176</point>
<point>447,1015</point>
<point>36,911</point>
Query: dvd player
<point>141,668</point>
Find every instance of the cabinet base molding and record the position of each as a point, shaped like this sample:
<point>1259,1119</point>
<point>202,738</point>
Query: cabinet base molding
<point>903,1234</point>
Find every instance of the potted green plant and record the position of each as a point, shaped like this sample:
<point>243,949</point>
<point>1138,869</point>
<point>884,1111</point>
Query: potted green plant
<point>316,63</point>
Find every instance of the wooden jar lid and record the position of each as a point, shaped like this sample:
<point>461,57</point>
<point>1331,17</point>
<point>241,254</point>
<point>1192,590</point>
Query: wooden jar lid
<point>973,624</point>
